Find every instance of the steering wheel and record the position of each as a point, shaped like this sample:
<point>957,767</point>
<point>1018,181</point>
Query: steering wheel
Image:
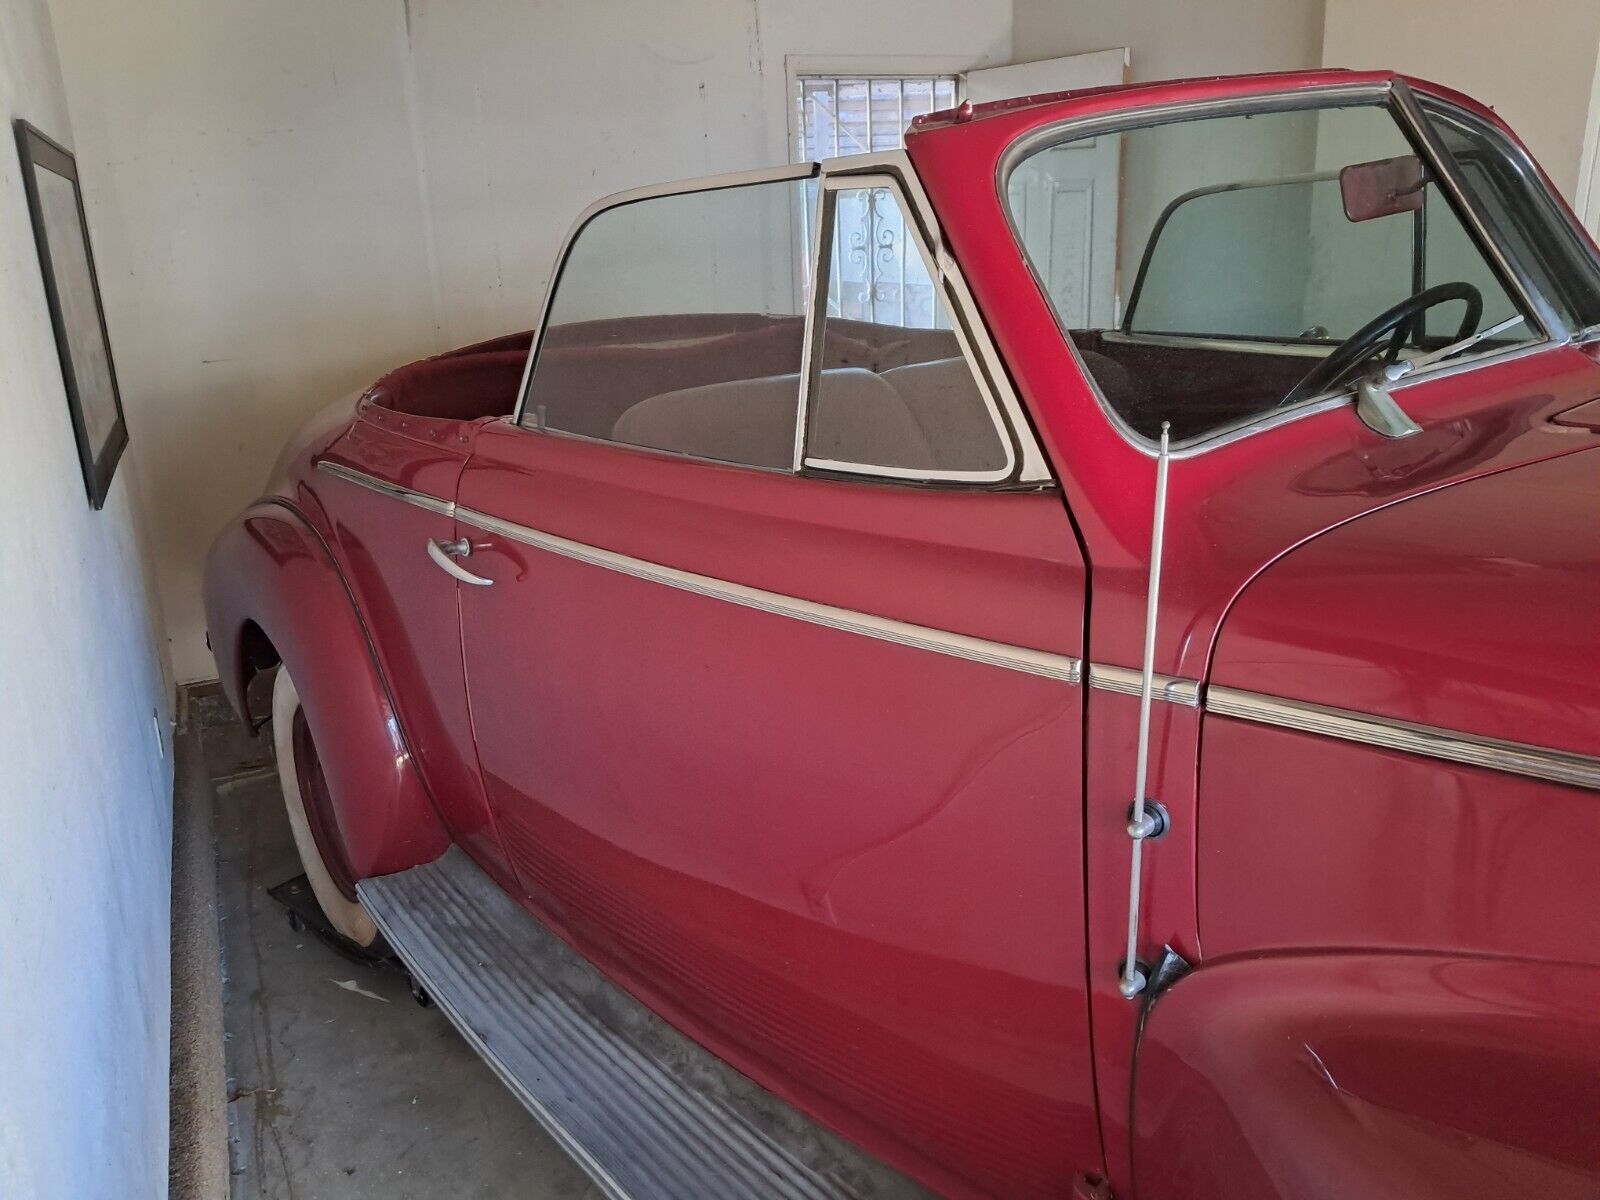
<point>1396,325</point>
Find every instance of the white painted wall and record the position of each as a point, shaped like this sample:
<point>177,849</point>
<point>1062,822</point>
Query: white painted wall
<point>1176,39</point>
<point>1535,64</point>
<point>293,197</point>
<point>85,794</point>
<point>1587,198</point>
<point>261,239</point>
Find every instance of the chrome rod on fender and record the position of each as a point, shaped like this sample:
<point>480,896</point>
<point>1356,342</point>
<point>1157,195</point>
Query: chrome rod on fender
<point>1145,821</point>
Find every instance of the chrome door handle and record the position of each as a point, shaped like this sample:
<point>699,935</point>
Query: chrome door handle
<point>444,555</point>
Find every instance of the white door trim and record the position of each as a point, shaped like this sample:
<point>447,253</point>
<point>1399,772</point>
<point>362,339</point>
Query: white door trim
<point>1587,200</point>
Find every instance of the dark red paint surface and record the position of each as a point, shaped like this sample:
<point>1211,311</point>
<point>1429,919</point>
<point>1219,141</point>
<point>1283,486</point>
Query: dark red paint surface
<point>1232,512</point>
<point>784,836</point>
<point>892,885</point>
<point>1326,1076</point>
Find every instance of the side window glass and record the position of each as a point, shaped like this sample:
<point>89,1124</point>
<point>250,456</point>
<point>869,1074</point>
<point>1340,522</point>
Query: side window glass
<point>894,388</point>
<point>677,324</point>
<point>1258,252</point>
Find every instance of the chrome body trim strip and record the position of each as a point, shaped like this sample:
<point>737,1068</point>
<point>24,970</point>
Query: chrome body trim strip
<point>1203,342</point>
<point>1159,113</point>
<point>918,637</point>
<point>1514,758</point>
<point>1125,680</point>
<point>382,486</point>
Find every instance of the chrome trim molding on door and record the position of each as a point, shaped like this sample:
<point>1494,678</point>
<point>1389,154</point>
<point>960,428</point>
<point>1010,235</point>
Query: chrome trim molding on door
<point>1515,758</point>
<point>1129,682</point>
<point>382,486</point>
<point>918,637</point>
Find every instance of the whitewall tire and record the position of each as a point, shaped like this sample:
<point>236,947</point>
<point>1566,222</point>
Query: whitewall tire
<point>346,915</point>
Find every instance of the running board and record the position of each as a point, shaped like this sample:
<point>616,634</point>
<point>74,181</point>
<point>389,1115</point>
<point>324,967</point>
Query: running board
<point>648,1113</point>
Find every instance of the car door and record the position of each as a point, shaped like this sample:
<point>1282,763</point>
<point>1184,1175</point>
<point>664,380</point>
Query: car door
<point>784,732</point>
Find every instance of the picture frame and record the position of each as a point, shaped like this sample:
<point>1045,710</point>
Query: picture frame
<point>72,289</point>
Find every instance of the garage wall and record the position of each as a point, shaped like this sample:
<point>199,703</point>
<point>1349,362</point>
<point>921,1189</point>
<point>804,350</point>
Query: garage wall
<point>85,772</point>
<point>529,112</point>
<point>1535,64</point>
<point>1176,39</point>
<point>260,221</point>
<point>293,197</point>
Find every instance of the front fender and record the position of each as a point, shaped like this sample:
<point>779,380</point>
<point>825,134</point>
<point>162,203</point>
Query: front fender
<point>1336,1075</point>
<point>270,568</point>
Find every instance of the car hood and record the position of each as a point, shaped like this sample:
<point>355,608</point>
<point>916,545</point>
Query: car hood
<point>1474,607</point>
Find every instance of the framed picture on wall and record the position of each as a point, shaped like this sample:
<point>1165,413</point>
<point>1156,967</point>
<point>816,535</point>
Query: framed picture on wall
<point>55,203</point>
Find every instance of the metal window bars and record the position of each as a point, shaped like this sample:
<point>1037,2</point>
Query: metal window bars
<point>874,277</point>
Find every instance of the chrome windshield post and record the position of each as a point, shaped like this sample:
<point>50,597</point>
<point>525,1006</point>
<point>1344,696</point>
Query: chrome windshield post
<point>1147,819</point>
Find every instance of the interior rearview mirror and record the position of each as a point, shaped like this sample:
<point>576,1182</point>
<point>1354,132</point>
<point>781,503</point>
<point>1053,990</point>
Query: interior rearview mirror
<point>1382,188</point>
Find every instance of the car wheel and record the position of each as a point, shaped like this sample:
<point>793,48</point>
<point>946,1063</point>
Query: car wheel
<point>305,796</point>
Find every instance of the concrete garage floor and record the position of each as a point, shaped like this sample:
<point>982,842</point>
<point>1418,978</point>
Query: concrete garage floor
<point>340,1085</point>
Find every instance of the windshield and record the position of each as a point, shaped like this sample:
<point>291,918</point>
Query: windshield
<point>1210,271</point>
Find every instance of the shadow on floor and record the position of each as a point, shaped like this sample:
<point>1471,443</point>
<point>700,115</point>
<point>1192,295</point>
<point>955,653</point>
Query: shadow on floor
<point>341,1086</point>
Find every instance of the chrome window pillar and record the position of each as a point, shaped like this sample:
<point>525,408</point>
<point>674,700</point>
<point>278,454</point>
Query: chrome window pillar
<point>1403,102</point>
<point>820,271</point>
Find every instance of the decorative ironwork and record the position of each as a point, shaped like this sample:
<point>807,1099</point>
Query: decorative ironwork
<point>839,116</point>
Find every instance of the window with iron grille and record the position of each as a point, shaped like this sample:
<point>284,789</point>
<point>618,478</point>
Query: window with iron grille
<point>841,115</point>
<point>876,275</point>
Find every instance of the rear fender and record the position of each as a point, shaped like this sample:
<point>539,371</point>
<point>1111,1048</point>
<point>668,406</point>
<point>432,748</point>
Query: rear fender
<point>1336,1075</point>
<point>271,572</point>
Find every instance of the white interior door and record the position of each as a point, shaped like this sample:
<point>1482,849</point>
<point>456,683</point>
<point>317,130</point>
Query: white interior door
<point>1069,202</point>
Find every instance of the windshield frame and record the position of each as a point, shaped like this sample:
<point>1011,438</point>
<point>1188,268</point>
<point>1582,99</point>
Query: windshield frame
<point>1544,321</point>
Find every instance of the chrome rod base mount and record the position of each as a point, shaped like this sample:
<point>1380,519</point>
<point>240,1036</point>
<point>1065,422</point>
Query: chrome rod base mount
<point>1148,823</point>
<point>1132,979</point>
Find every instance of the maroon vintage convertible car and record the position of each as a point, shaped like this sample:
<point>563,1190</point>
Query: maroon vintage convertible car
<point>968,671</point>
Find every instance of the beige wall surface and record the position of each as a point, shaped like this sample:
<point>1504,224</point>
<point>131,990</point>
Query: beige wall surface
<point>1535,64</point>
<point>291,198</point>
<point>259,216</point>
<point>86,785</point>
<point>1175,39</point>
